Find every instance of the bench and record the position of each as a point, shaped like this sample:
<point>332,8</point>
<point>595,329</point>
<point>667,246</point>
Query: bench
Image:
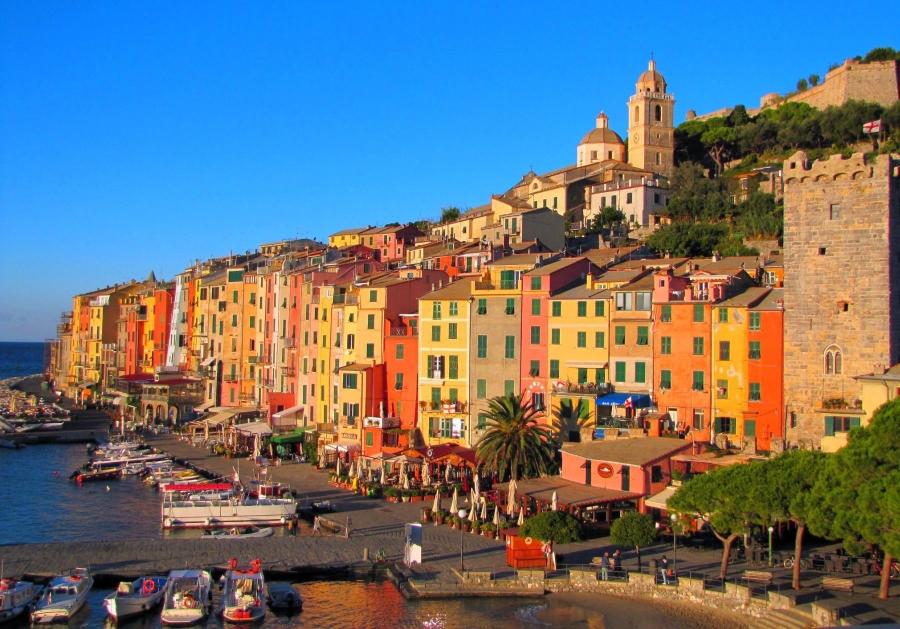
<point>837,583</point>
<point>758,576</point>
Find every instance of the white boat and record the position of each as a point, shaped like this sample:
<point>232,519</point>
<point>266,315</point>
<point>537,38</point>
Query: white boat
<point>16,597</point>
<point>63,598</point>
<point>236,533</point>
<point>187,596</point>
<point>135,598</point>
<point>244,596</point>
<point>235,512</point>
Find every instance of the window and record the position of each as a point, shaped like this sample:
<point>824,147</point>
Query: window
<point>510,306</point>
<point>833,361</point>
<point>626,478</point>
<point>582,375</point>
<point>482,421</point>
<point>656,474</point>
<point>349,380</point>
<point>665,345</point>
<point>624,301</point>
<point>234,320</point>
<point>252,321</point>
<point>535,306</point>
<point>642,301</point>
<point>556,309</point>
<point>554,369</point>
<point>535,368</point>
<point>599,339</point>
<point>351,341</point>
<point>822,251</point>
<point>640,372</point>
<point>482,346</point>
<point>582,339</point>
<point>724,350</point>
<point>726,425</point>
<point>723,315</point>
<point>435,333</point>
<point>509,387</point>
<point>435,398</point>
<point>554,336</point>
<point>620,372</point>
<point>698,346</point>
<point>370,321</point>
<point>481,389</point>
<point>657,113</point>
<point>643,335</point>
<point>665,379</point>
<point>436,367</point>
<point>755,352</point>
<point>755,392</point>
<point>373,295</point>
<point>535,335</point>
<point>508,278</point>
<point>698,313</point>
<point>234,297</point>
<point>454,308</point>
<point>722,389</point>
<point>628,198</point>
<point>834,211</point>
<point>754,320</point>
<point>620,335</point>
<point>398,381</point>
<point>370,350</point>
<point>451,330</point>
<point>482,306</point>
<point>582,308</point>
<point>665,313</point>
<point>453,367</point>
<point>697,382</point>
<point>599,308</point>
<point>537,401</point>
<point>698,419</point>
<point>535,283</point>
<point>510,347</point>
<point>840,424</point>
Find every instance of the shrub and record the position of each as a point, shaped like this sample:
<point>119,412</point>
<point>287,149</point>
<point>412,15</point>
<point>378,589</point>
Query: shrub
<point>552,526</point>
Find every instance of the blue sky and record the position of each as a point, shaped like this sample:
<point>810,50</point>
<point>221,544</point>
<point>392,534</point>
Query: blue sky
<point>142,136</point>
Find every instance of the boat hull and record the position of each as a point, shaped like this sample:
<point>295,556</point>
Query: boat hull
<point>55,615</point>
<point>182,617</point>
<point>122,607</point>
<point>226,515</point>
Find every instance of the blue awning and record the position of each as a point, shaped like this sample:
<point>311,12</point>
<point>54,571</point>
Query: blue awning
<point>638,400</point>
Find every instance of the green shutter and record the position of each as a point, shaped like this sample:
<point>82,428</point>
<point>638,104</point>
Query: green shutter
<point>599,308</point>
<point>582,308</point>
<point>481,388</point>
<point>557,309</point>
<point>582,339</point>
<point>535,335</point>
<point>665,313</point>
<point>554,369</point>
<point>454,367</point>
<point>698,313</point>
<point>749,427</point>
<point>451,331</point>
<point>620,372</point>
<point>535,306</point>
<point>829,426</point>
<point>554,336</point>
<point>620,335</point>
<point>854,422</point>
<point>640,372</point>
<point>599,339</point>
<point>509,387</point>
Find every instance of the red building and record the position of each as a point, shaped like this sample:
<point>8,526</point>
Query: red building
<point>401,349</point>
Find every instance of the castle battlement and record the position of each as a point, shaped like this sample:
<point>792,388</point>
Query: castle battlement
<point>798,168</point>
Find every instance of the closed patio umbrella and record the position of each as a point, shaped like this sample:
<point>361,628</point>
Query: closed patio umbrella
<point>553,502</point>
<point>426,474</point>
<point>497,516</point>
<point>473,514</point>
<point>477,484</point>
<point>521,516</point>
<point>436,507</point>
<point>447,473</point>
<point>454,502</point>
<point>337,468</point>
<point>405,481</point>
<point>511,498</point>
<point>484,509</point>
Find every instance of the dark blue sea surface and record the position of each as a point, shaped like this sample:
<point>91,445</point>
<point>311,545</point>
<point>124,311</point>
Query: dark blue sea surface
<point>21,359</point>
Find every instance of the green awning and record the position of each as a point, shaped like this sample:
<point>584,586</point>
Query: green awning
<point>292,437</point>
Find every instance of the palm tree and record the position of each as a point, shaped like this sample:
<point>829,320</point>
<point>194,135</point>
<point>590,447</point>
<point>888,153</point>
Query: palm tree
<point>514,443</point>
<point>569,417</point>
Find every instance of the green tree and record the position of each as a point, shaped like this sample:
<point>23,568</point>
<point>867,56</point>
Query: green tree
<point>552,526</point>
<point>802,85</point>
<point>760,216</point>
<point>857,497</point>
<point>514,444</point>
<point>723,499</point>
<point>813,79</point>
<point>635,530</point>
<point>720,141</point>
<point>609,217</point>
<point>695,196</point>
<point>569,416</point>
<point>883,53</point>
<point>449,214</point>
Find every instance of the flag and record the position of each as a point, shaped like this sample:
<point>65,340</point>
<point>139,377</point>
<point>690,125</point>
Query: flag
<point>873,126</point>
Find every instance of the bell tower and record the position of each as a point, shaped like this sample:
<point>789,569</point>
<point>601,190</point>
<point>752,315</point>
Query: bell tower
<point>651,124</point>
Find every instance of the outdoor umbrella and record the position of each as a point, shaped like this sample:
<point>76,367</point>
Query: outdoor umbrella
<point>436,507</point>
<point>405,481</point>
<point>383,477</point>
<point>369,473</point>
<point>447,473</point>
<point>553,503</point>
<point>497,516</point>
<point>337,468</point>
<point>521,516</point>
<point>511,498</point>
<point>473,514</point>
<point>477,490</point>
<point>426,474</point>
<point>483,509</point>
<point>454,502</point>
<point>352,472</point>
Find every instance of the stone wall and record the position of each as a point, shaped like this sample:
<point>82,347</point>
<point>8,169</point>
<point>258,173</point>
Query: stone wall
<point>876,82</point>
<point>841,249</point>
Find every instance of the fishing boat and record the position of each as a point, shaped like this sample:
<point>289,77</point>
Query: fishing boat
<point>87,474</point>
<point>186,599</point>
<point>16,597</point>
<point>62,599</point>
<point>284,598</point>
<point>243,599</point>
<point>133,598</point>
<point>242,533</point>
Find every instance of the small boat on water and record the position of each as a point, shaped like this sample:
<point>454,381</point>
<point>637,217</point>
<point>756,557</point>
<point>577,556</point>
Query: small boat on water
<point>16,597</point>
<point>240,533</point>
<point>11,445</point>
<point>133,598</point>
<point>284,598</point>
<point>87,474</point>
<point>236,511</point>
<point>187,598</point>
<point>63,597</point>
<point>244,596</point>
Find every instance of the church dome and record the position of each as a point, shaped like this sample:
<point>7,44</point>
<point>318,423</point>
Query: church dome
<point>651,80</point>
<point>602,134</point>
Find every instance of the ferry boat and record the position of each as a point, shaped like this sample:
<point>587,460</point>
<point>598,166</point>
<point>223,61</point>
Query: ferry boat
<point>63,598</point>
<point>16,597</point>
<point>187,598</point>
<point>244,596</point>
<point>228,513</point>
<point>135,598</point>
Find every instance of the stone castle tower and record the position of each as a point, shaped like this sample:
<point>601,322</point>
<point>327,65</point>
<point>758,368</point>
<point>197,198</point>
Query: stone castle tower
<point>651,124</point>
<point>841,286</point>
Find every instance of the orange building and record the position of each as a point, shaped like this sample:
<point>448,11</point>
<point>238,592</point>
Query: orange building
<point>765,408</point>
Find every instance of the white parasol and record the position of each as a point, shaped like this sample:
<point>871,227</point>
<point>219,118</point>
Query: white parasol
<point>426,474</point>
<point>521,516</point>
<point>477,487</point>
<point>436,507</point>
<point>511,498</point>
<point>447,473</point>
<point>337,468</point>
<point>484,509</point>
<point>553,501</point>
<point>497,516</point>
<point>405,481</point>
<point>473,514</point>
<point>454,502</point>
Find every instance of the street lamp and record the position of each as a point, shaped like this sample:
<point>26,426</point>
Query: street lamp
<point>462,540</point>
<point>674,519</point>
<point>771,530</point>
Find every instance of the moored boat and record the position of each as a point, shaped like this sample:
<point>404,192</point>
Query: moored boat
<point>135,598</point>
<point>284,598</point>
<point>186,599</point>
<point>16,597</point>
<point>233,512</point>
<point>243,599</point>
<point>64,596</point>
<point>236,533</point>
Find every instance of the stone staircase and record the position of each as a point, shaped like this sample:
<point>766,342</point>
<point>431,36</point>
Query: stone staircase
<point>799,617</point>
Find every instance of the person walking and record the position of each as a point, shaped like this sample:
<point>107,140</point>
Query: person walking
<point>604,567</point>
<point>664,569</point>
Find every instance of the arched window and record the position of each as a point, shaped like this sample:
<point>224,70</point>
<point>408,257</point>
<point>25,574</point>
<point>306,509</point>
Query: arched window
<point>658,113</point>
<point>637,113</point>
<point>833,361</point>
<point>658,159</point>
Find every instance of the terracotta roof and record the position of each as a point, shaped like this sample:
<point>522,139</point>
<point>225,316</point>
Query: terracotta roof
<point>620,276</point>
<point>579,292</point>
<point>519,259</point>
<point>568,493</point>
<point>355,367</point>
<point>749,297</point>
<point>350,231</point>
<point>639,451</point>
<point>603,135</point>
<point>726,266</point>
<point>650,263</point>
<point>642,283</point>
<point>558,265</point>
<point>475,212</point>
<point>774,300</point>
<point>602,257</point>
<point>460,289</point>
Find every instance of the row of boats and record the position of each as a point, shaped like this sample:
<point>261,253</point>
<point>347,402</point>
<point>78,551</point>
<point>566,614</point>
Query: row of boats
<point>185,597</point>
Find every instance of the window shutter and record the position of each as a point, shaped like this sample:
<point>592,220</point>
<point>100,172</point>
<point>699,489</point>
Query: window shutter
<point>854,422</point>
<point>829,426</point>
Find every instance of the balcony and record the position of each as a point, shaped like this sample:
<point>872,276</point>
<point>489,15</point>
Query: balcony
<point>290,342</point>
<point>247,397</point>
<point>586,388</point>
<point>288,371</point>
<point>445,407</point>
<point>255,359</point>
<point>325,428</point>
<point>840,405</point>
<point>231,377</point>
<point>404,331</point>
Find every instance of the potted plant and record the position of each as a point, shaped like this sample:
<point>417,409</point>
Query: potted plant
<point>487,529</point>
<point>405,495</point>
<point>392,494</point>
<point>415,495</point>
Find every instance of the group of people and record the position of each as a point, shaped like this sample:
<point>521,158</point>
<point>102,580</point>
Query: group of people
<point>610,562</point>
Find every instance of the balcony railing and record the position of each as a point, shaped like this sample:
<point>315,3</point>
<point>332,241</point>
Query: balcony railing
<point>288,371</point>
<point>254,359</point>
<point>404,331</point>
<point>585,388</point>
<point>444,407</point>
<point>231,377</point>
<point>326,428</point>
<point>290,342</point>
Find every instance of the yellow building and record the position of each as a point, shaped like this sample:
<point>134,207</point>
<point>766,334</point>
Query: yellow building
<point>346,237</point>
<point>875,391</point>
<point>730,362</point>
<point>444,355</point>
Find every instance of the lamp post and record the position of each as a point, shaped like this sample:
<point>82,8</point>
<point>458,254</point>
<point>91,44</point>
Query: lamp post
<point>674,519</point>
<point>462,540</point>
<point>771,530</point>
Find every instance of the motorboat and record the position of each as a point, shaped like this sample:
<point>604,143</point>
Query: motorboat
<point>133,598</point>
<point>284,598</point>
<point>16,597</point>
<point>187,598</point>
<point>244,595</point>
<point>63,597</point>
<point>236,511</point>
<point>11,445</point>
<point>240,533</point>
<point>88,474</point>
